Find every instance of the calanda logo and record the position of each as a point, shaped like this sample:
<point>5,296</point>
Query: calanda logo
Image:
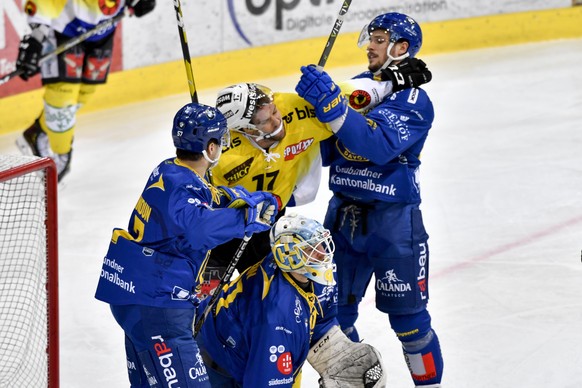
<point>279,7</point>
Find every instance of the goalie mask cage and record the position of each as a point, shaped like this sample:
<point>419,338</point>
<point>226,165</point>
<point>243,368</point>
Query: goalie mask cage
<point>29,330</point>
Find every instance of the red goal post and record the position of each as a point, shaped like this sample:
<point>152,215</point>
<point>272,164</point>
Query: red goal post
<point>29,318</point>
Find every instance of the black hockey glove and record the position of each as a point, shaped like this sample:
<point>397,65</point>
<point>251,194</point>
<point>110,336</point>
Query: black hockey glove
<point>410,73</point>
<point>141,7</point>
<point>29,54</point>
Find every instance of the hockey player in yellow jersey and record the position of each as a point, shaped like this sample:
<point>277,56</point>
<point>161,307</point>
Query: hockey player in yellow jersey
<point>70,78</point>
<point>274,147</point>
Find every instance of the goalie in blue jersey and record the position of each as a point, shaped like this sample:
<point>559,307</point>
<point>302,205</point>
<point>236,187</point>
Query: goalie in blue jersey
<point>152,270</point>
<point>281,312</point>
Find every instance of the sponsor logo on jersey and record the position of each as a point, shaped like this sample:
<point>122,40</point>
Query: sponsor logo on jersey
<point>301,114</point>
<point>282,328</point>
<point>327,295</point>
<point>165,359</point>
<point>349,155</point>
<point>284,381</point>
<point>392,286</point>
<point>298,310</point>
<point>235,141</point>
<point>366,184</point>
<point>413,96</point>
<point>281,358</point>
<point>421,278</point>
<point>399,124</point>
<point>109,7</point>
<point>359,99</point>
<point>113,277</point>
<point>198,372</point>
<point>239,171</point>
<point>293,150</point>
<point>285,363</point>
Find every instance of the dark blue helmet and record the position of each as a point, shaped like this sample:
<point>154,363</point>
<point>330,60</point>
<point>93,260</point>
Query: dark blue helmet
<point>400,26</point>
<point>195,125</point>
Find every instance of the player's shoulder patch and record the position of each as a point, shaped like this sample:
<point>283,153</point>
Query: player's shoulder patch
<point>359,99</point>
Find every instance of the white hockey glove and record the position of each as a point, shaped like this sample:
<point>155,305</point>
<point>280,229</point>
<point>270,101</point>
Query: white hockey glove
<point>342,363</point>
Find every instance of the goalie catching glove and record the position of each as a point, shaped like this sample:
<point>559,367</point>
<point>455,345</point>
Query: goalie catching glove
<point>342,363</point>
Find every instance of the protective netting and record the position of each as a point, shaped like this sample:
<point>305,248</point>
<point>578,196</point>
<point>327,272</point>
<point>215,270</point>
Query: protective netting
<point>23,276</point>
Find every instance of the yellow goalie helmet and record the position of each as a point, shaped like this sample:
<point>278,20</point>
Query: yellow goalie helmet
<point>302,245</point>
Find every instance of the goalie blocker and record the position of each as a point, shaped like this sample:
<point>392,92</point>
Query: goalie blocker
<point>342,363</point>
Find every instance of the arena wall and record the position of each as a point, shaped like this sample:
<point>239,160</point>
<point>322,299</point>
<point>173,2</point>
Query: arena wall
<point>231,43</point>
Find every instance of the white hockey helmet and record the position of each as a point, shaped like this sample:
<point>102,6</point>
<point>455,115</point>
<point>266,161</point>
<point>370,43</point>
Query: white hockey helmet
<point>239,103</point>
<point>302,245</point>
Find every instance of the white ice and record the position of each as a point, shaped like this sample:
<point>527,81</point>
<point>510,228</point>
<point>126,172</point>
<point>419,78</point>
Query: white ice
<point>502,201</point>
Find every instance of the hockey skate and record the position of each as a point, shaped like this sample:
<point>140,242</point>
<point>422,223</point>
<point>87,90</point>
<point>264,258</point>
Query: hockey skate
<point>35,142</point>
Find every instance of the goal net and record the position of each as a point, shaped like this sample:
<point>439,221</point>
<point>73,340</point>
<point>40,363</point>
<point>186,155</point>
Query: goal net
<point>29,347</point>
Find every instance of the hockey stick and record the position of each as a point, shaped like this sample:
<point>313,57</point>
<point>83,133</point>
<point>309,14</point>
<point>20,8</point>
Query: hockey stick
<point>225,279</point>
<point>333,35</point>
<point>185,51</point>
<point>68,44</point>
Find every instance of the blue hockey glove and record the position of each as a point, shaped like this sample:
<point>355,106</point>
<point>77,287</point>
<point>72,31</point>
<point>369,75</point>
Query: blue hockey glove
<point>260,217</point>
<point>141,7</point>
<point>235,197</point>
<point>320,91</point>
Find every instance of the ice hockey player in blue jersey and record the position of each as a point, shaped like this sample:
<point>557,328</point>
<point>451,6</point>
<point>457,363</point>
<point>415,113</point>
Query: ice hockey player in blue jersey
<point>282,311</point>
<point>374,213</point>
<point>152,270</point>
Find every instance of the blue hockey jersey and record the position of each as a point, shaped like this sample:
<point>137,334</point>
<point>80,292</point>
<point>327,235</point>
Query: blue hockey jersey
<point>263,325</point>
<point>160,259</point>
<point>376,156</point>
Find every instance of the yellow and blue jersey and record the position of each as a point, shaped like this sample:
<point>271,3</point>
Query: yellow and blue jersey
<point>263,325</point>
<point>159,259</point>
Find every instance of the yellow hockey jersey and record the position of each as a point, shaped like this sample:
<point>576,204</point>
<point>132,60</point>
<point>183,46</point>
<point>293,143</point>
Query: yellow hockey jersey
<point>293,161</point>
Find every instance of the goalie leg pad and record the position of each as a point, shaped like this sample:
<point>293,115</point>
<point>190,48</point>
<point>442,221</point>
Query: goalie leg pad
<point>342,363</point>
